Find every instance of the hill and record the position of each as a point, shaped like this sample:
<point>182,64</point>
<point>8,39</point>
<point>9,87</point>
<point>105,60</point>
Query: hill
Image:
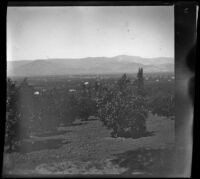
<point>90,65</point>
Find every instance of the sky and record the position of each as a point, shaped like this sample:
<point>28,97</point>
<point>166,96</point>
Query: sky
<point>89,31</point>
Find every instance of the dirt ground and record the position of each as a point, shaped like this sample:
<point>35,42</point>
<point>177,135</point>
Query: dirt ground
<point>87,148</point>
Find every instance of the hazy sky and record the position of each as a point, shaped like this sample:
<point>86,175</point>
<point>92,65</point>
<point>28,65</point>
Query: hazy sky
<point>73,32</point>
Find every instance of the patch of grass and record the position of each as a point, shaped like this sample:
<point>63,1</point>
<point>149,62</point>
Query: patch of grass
<point>27,147</point>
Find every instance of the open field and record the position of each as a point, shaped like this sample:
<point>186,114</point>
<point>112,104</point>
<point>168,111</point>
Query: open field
<point>87,148</point>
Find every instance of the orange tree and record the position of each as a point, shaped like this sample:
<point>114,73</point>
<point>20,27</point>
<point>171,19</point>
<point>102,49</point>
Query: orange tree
<point>122,110</point>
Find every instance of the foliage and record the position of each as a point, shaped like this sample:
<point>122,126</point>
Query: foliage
<point>86,103</point>
<point>52,108</point>
<point>121,110</point>
<point>25,107</point>
<point>120,104</point>
<point>163,105</point>
<point>12,118</point>
<point>161,98</point>
<point>140,81</point>
<point>70,109</point>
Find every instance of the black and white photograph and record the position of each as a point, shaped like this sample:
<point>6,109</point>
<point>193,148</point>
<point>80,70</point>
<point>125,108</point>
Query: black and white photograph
<point>91,91</point>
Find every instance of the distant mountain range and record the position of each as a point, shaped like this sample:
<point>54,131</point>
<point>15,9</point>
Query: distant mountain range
<point>90,65</point>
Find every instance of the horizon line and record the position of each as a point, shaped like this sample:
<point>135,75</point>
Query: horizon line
<point>88,57</point>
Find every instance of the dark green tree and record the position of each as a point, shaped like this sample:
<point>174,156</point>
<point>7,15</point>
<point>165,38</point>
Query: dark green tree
<point>12,132</point>
<point>123,111</point>
<point>123,85</point>
<point>140,81</point>
<point>163,105</point>
<point>25,107</point>
<point>70,108</point>
<point>86,104</point>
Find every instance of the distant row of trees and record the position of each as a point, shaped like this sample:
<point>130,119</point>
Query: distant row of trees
<point>163,105</point>
<point>29,114</point>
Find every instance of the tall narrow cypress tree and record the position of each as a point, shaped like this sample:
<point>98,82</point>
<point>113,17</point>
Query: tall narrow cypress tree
<point>140,81</point>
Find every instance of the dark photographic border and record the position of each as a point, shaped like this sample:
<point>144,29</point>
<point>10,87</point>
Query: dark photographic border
<point>185,70</point>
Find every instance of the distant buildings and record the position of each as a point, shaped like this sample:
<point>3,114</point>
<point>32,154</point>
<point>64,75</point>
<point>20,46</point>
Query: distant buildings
<point>36,93</point>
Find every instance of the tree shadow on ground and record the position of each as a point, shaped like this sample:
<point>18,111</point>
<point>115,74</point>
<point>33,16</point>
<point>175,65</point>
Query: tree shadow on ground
<point>146,162</point>
<point>134,136</point>
<point>145,134</point>
<point>29,146</point>
<point>51,133</point>
<point>78,124</point>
